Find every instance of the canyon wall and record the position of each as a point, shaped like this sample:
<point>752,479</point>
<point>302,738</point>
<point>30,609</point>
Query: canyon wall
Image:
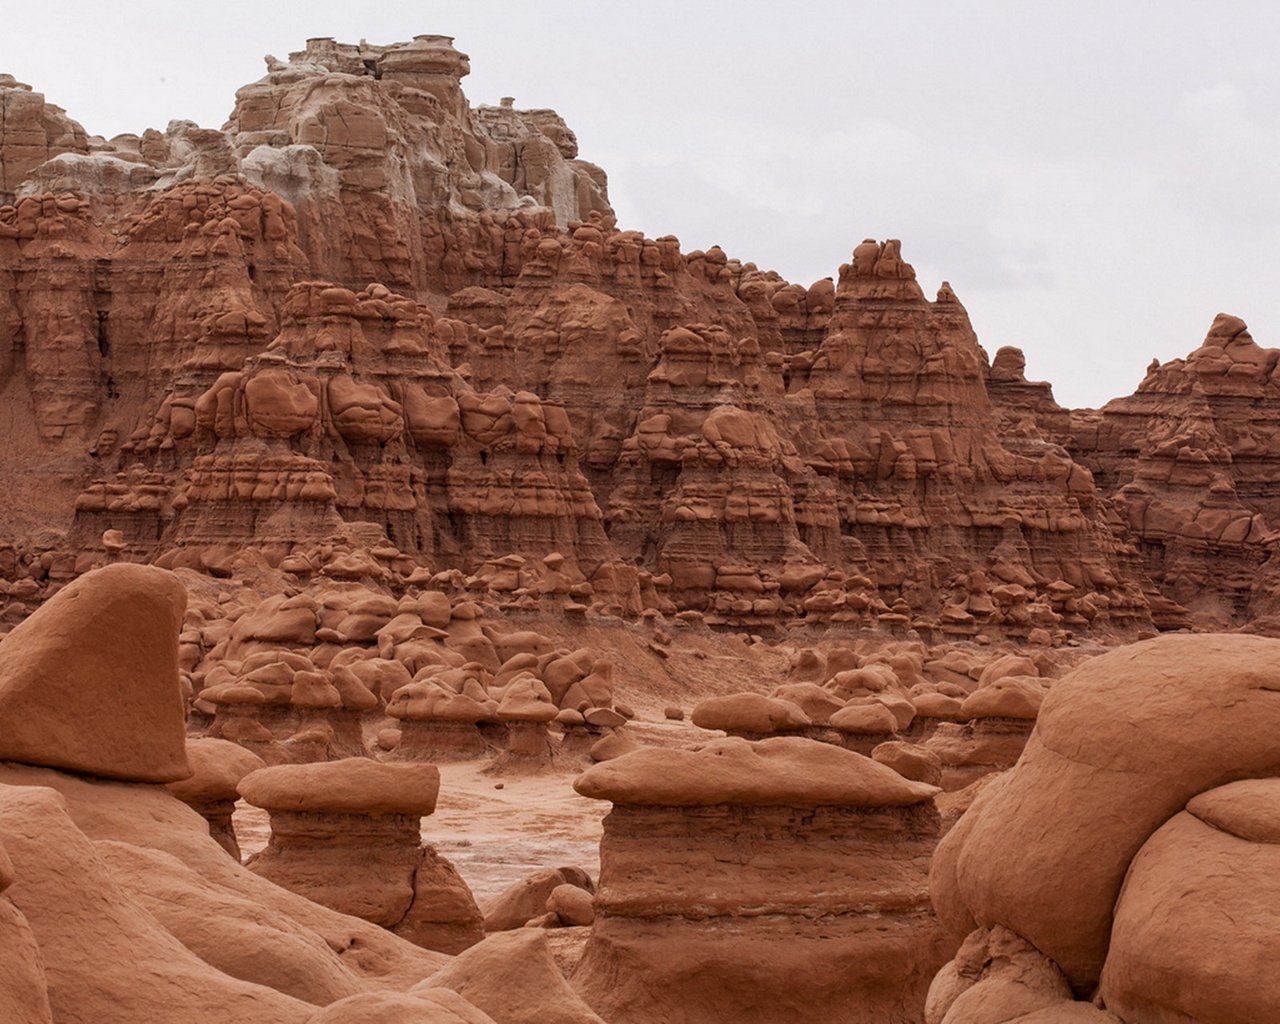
<point>365,312</point>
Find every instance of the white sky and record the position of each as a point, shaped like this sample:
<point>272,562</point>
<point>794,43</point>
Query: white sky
<point>1096,179</point>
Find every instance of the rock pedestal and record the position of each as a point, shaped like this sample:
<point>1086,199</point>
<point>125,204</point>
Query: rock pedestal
<point>437,724</point>
<point>782,879</point>
<point>345,834</point>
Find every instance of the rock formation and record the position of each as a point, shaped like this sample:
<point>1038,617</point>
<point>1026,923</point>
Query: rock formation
<point>513,977</point>
<point>365,315</point>
<point>780,879</point>
<point>1146,783</point>
<point>1188,460</point>
<point>81,694</point>
<point>217,766</point>
<point>356,437</point>
<point>97,858</point>
<point>345,834</point>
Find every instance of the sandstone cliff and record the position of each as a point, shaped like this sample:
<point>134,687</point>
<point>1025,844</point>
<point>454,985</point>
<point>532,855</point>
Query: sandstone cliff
<point>365,309</point>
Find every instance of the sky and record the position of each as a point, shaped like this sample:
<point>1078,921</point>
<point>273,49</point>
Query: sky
<point>1096,180</point>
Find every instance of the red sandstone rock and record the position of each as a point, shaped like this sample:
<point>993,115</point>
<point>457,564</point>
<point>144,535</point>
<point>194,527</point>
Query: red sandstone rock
<point>24,989</point>
<point>512,977</point>
<point>610,378</point>
<point>345,833</point>
<point>439,1006</point>
<point>749,713</point>
<point>217,766</point>
<point>1204,879</point>
<point>704,930</point>
<point>1121,786</point>
<point>528,898</point>
<point>77,911</point>
<point>89,683</point>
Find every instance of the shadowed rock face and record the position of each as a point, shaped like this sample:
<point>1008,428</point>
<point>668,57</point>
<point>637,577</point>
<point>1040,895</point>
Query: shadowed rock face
<point>783,879</point>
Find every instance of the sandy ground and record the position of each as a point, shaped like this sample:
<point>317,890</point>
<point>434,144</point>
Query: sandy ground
<point>495,837</point>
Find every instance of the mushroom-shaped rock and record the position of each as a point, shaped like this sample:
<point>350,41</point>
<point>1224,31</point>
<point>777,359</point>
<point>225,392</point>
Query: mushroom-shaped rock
<point>217,766</point>
<point>835,876</point>
<point>89,682</point>
<point>604,718</point>
<point>936,707</point>
<point>612,744</point>
<point>818,703</point>
<point>236,718</point>
<point>866,681</point>
<point>1008,665</point>
<point>785,771</point>
<point>527,700</point>
<point>526,708</point>
<point>864,724</point>
<point>749,715</point>
<point>346,834</point>
<point>910,760</point>
<point>438,724</point>
<point>351,786</point>
<point>581,731</point>
<point>1006,697</point>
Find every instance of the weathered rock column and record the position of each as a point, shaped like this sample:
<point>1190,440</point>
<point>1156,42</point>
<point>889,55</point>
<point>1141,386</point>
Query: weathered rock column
<point>346,835</point>
<point>437,724</point>
<point>782,879</point>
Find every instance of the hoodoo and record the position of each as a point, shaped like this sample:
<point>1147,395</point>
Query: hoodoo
<point>425,599</point>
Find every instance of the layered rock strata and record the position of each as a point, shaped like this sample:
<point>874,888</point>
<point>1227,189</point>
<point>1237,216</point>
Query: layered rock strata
<point>364,304</point>
<point>1189,460</point>
<point>781,879</point>
<point>346,835</point>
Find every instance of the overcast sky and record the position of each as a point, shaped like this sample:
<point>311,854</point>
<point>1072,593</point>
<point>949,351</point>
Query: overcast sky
<point>1095,179</point>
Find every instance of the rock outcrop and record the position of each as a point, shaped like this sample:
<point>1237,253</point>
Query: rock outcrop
<point>202,373</point>
<point>217,766</point>
<point>1148,768</point>
<point>90,683</point>
<point>760,881</point>
<point>97,858</point>
<point>1188,460</point>
<point>346,835</point>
